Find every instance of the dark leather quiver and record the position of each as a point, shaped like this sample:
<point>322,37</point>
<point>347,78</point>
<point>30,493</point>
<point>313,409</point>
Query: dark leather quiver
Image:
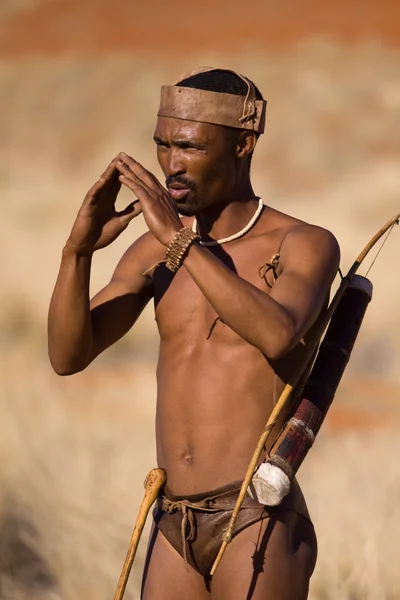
<point>333,355</point>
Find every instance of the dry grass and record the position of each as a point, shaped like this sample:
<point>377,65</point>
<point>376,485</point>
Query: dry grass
<point>353,488</point>
<point>74,453</point>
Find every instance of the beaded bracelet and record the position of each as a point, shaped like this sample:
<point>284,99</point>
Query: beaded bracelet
<point>178,247</point>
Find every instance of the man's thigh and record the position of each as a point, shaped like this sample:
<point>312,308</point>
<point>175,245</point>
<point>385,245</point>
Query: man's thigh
<point>271,560</point>
<point>166,577</point>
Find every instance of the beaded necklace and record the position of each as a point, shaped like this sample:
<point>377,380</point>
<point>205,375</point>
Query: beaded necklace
<point>237,235</point>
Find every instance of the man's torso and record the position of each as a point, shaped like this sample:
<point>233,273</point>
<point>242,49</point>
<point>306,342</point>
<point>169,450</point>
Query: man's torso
<point>215,390</point>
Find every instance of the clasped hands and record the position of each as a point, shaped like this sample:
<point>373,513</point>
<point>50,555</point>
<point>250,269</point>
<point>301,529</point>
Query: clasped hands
<point>98,223</point>
<point>158,209</point>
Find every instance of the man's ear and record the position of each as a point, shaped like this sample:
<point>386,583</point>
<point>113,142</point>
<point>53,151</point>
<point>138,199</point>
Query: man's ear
<point>246,143</point>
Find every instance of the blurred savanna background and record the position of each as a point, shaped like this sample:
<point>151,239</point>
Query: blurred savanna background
<point>79,81</point>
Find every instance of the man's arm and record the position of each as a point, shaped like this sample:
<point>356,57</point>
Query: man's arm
<point>273,323</point>
<point>80,329</point>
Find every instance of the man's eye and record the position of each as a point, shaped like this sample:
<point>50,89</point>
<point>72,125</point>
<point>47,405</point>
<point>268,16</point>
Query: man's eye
<point>190,147</point>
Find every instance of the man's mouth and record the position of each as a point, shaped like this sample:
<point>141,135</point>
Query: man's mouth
<point>177,193</point>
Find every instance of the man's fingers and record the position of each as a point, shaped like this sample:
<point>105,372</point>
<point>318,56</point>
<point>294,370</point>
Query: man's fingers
<point>110,170</point>
<point>116,184</point>
<point>131,180</point>
<point>127,162</point>
<point>108,183</point>
<point>93,191</point>
<point>131,211</point>
<point>124,160</point>
<point>135,183</point>
<point>125,169</point>
<point>137,187</point>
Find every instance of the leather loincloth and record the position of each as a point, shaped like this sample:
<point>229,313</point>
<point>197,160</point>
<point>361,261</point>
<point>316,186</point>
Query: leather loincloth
<point>194,525</point>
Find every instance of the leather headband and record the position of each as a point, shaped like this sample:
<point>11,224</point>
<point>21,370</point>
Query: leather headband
<point>217,108</point>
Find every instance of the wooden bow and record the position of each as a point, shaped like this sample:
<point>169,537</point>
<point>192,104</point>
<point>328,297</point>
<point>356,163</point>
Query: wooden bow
<point>284,397</point>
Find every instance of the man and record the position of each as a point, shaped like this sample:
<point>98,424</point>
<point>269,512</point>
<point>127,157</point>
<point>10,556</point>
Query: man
<point>237,287</point>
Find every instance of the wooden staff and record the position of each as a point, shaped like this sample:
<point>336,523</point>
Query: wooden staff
<point>154,482</point>
<point>284,397</point>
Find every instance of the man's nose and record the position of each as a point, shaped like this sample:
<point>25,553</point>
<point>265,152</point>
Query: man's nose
<point>175,163</point>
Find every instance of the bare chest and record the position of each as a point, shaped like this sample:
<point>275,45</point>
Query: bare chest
<point>181,307</point>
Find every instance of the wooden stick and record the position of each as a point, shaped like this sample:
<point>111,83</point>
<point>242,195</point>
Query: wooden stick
<point>228,533</point>
<point>154,481</point>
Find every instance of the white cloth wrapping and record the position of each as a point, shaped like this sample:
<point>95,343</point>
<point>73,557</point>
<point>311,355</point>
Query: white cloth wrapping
<point>269,485</point>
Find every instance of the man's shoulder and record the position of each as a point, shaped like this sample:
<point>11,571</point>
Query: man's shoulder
<point>296,231</point>
<point>302,241</point>
<point>313,247</point>
<point>314,237</point>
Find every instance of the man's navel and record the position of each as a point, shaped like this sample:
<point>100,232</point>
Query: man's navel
<point>186,457</point>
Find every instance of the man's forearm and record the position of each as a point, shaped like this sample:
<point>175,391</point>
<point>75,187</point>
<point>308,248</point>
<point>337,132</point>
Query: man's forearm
<point>251,313</point>
<point>70,334</point>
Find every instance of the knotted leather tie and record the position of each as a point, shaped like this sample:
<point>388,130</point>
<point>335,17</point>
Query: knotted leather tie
<point>188,518</point>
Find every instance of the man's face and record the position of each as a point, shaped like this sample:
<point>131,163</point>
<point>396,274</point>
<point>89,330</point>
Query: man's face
<point>198,161</point>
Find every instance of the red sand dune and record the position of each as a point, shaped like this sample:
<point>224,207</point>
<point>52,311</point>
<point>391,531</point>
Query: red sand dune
<point>73,26</point>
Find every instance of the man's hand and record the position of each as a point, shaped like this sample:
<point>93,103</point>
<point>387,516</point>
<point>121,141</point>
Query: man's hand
<point>158,208</point>
<point>98,224</point>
